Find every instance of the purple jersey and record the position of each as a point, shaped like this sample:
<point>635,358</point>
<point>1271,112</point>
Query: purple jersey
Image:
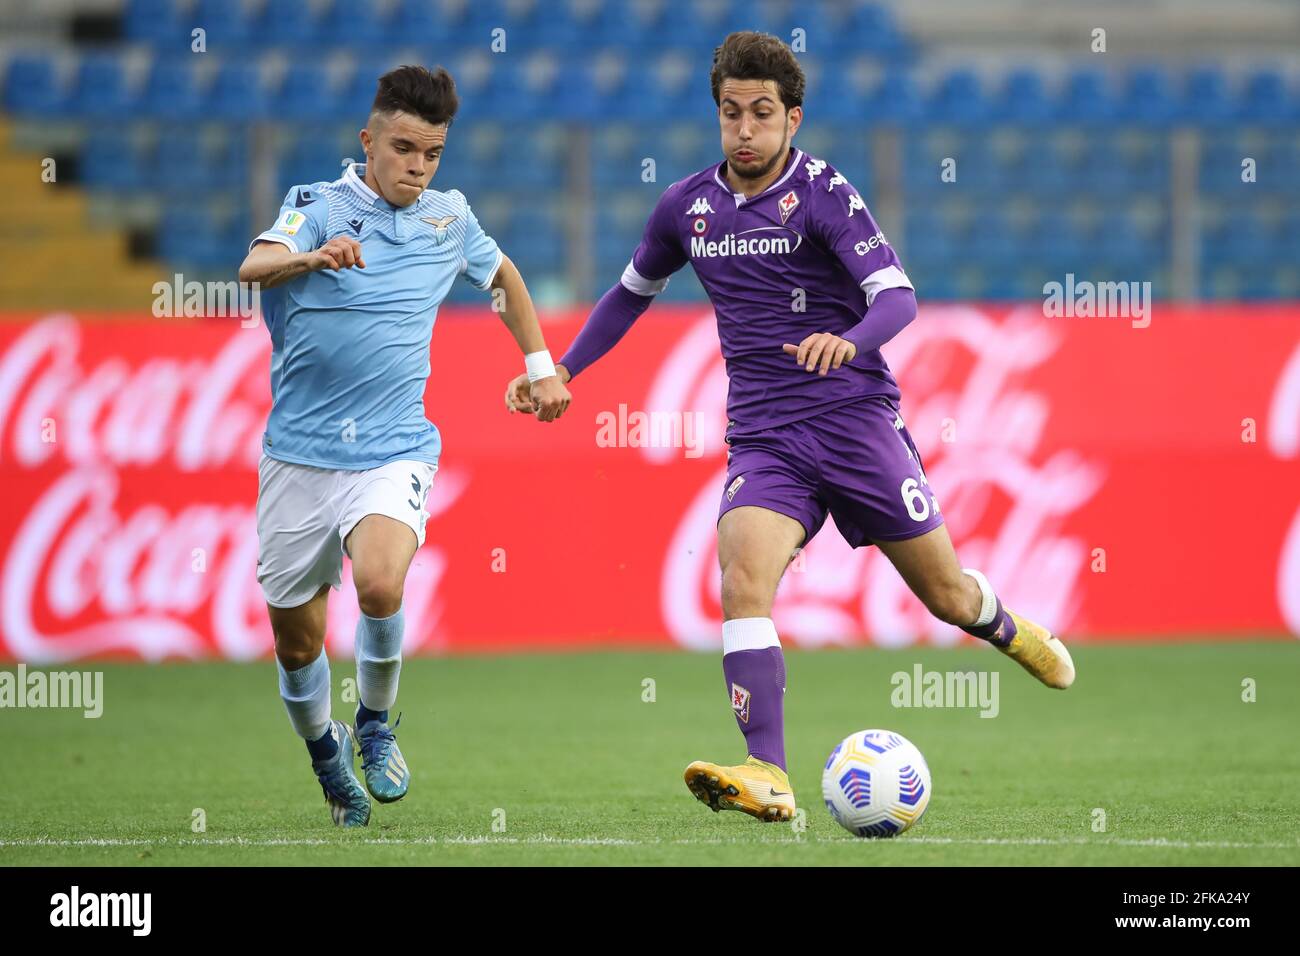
<point>803,256</point>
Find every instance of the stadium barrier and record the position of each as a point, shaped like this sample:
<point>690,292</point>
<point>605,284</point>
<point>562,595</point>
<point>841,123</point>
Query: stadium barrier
<point>1115,482</point>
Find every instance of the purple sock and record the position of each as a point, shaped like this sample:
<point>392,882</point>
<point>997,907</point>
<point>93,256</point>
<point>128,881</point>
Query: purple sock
<point>756,685</point>
<point>998,631</point>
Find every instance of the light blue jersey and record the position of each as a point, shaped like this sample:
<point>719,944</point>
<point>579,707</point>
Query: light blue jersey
<point>350,349</point>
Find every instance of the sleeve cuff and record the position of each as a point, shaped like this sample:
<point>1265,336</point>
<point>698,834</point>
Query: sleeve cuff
<point>492,273</point>
<point>635,282</point>
<point>890,277</point>
<point>273,237</point>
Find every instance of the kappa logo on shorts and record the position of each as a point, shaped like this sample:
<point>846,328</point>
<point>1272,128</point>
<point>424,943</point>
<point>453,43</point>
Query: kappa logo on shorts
<point>740,702</point>
<point>734,486</point>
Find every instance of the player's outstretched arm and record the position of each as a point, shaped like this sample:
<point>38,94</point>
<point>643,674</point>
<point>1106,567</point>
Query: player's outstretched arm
<point>271,263</point>
<point>609,321</point>
<point>542,390</point>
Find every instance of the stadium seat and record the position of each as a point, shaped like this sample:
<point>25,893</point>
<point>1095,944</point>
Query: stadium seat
<point>287,23</point>
<point>958,99</point>
<point>1086,98</point>
<point>31,87</point>
<point>1205,98</point>
<point>111,162</point>
<point>1148,98</point>
<point>169,91</point>
<point>227,24</point>
<point>356,25</point>
<point>99,90</point>
<point>1265,100</point>
<point>236,94</point>
<point>156,22</point>
<point>1023,100</point>
<point>307,94</point>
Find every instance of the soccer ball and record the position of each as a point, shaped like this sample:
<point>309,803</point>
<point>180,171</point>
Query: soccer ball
<point>876,784</point>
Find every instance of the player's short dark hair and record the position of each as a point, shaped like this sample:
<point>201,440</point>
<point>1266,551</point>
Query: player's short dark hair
<point>747,55</point>
<point>428,94</point>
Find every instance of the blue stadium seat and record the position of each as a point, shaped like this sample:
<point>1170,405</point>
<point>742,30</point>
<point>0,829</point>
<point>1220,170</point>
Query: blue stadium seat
<point>1087,98</point>
<point>1024,100</point>
<point>872,27</point>
<point>158,23</point>
<point>287,23</point>
<point>355,24</point>
<point>1149,98</point>
<point>110,161</point>
<point>31,87</point>
<point>895,101</point>
<point>169,91</point>
<point>1266,101</point>
<point>958,99</point>
<point>227,24</point>
<point>1205,97</point>
<point>418,23</point>
<point>237,94</point>
<point>306,94</point>
<point>99,90</point>
<point>180,164</point>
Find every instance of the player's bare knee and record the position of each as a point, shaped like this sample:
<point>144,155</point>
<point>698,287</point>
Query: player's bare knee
<point>296,649</point>
<point>744,593</point>
<point>379,597</point>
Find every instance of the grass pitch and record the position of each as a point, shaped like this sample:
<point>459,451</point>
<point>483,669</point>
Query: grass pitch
<point>535,759</point>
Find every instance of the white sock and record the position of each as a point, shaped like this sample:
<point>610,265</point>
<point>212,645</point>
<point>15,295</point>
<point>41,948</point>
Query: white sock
<point>748,634</point>
<point>379,659</point>
<point>306,696</point>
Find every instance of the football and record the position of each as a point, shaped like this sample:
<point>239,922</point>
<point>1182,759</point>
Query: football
<point>876,784</point>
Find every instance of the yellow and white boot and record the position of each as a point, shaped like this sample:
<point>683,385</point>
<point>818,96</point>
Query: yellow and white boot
<point>756,787</point>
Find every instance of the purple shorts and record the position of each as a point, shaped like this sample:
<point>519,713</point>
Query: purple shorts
<point>855,461</point>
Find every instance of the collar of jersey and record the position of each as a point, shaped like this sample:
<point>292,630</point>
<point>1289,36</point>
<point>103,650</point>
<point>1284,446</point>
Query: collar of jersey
<point>355,179</point>
<point>797,155</point>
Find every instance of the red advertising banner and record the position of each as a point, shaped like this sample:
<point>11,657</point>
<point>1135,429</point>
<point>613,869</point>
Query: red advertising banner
<point>1114,482</point>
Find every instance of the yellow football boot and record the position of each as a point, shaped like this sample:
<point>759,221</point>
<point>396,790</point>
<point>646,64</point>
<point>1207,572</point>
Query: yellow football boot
<point>1038,651</point>
<point>756,787</point>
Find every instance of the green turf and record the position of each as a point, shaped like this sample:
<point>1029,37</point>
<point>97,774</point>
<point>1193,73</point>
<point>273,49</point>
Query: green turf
<point>588,773</point>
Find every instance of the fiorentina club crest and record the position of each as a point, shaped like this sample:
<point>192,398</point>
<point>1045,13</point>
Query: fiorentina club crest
<point>788,203</point>
<point>740,702</point>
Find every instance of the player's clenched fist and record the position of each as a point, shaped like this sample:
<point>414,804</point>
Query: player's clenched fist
<point>341,252</point>
<point>547,398</point>
<point>824,349</point>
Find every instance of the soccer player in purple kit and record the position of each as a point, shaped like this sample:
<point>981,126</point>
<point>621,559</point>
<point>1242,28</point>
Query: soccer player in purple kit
<point>814,410</point>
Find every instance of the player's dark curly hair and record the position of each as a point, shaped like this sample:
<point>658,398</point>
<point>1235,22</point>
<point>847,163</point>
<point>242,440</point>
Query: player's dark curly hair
<point>748,55</point>
<point>428,94</point>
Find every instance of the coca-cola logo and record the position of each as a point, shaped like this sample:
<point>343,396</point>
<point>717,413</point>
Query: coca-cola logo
<point>1284,442</point>
<point>954,364</point>
<point>107,559</point>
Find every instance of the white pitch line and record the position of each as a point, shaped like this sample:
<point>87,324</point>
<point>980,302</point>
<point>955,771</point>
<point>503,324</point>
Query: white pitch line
<point>546,840</point>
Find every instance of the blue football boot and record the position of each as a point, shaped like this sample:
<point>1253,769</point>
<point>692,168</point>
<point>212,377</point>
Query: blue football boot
<point>349,805</point>
<point>387,777</point>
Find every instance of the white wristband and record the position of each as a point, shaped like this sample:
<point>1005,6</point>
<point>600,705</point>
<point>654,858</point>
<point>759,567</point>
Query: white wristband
<point>539,365</point>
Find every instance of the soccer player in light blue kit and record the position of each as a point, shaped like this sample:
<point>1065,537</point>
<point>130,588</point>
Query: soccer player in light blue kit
<point>357,269</point>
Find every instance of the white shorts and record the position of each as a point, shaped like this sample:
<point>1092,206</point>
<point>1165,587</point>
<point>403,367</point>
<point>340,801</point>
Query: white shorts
<point>304,515</point>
